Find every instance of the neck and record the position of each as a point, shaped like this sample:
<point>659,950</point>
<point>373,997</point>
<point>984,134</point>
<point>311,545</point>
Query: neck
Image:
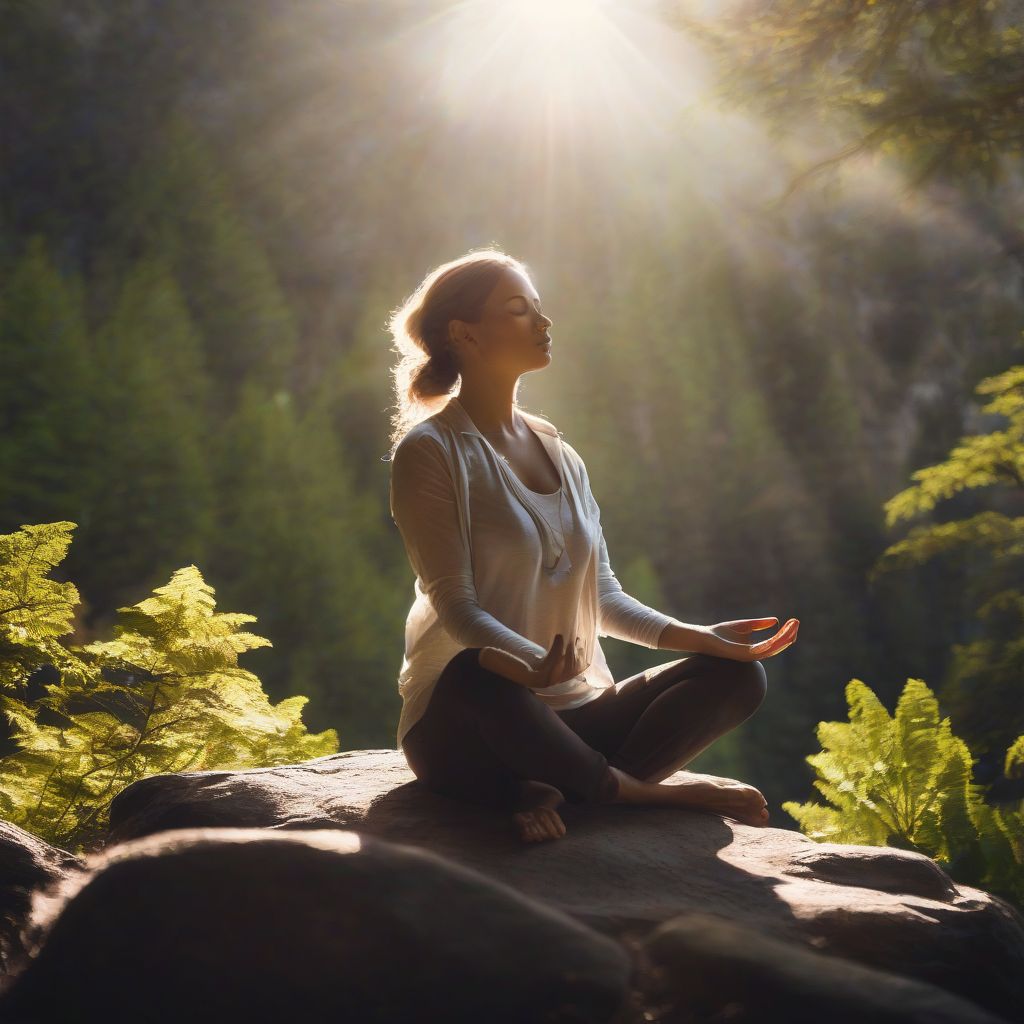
<point>490,405</point>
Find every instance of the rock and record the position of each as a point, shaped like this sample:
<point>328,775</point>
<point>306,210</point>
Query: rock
<point>26,864</point>
<point>322,925</point>
<point>624,870</point>
<point>701,967</point>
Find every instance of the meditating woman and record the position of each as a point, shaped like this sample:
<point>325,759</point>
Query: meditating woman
<point>507,699</point>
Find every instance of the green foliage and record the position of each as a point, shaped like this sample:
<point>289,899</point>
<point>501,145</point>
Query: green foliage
<point>982,691</point>
<point>166,694</point>
<point>936,85</point>
<point>48,419</point>
<point>156,463</point>
<point>905,781</point>
<point>728,356</point>
<point>979,460</point>
<point>179,203</point>
<point>34,610</point>
<point>290,491</point>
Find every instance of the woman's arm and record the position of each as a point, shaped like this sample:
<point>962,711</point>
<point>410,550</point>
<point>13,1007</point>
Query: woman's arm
<point>562,661</point>
<point>681,636</point>
<point>626,618</point>
<point>504,664</point>
<point>423,506</point>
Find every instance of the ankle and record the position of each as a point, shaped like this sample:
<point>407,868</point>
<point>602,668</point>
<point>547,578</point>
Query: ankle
<point>624,785</point>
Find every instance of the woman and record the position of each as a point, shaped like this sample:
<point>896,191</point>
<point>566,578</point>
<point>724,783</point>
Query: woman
<point>507,699</point>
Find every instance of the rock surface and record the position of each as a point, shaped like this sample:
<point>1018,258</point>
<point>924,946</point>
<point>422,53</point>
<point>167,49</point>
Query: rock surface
<point>324,925</point>
<point>701,967</point>
<point>26,864</point>
<point>624,870</point>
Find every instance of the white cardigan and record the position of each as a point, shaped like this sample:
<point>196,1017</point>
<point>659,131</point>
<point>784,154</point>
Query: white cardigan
<point>504,577</point>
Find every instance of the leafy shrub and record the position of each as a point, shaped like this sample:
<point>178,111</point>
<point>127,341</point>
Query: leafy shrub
<point>905,781</point>
<point>166,694</point>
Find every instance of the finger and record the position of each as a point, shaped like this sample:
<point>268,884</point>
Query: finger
<point>556,648</point>
<point>746,625</point>
<point>779,642</point>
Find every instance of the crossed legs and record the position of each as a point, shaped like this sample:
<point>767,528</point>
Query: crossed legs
<point>486,739</point>
<point>656,722</point>
<point>482,735</point>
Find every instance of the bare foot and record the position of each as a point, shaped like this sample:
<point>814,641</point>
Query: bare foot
<point>731,797</point>
<point>706,792</point>
<point>536,815</point>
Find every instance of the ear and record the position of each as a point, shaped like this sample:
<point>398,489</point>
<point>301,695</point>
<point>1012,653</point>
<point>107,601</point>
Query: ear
<point>459,337</point>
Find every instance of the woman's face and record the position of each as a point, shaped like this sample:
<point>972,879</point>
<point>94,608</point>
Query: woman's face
<point>512,335</point>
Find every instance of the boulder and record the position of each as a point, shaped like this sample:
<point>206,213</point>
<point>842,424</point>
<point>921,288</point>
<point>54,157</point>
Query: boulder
<point>703,967</point>
<point>26,864</point>
<point>623,870</point>
<point>319,925</point>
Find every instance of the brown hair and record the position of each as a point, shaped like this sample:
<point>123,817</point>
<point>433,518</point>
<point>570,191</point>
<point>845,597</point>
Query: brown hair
<point>427,372</point>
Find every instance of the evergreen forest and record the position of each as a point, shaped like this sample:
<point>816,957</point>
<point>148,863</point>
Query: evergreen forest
<point>781,248</point>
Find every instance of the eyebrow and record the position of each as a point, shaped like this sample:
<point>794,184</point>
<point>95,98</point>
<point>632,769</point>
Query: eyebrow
<point>511,297</point>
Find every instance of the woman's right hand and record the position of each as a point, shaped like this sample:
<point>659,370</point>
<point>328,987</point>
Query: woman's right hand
<point>556,666</point>
<point>559,664</point>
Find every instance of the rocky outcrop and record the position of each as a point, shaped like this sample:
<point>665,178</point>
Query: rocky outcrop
<point>26,865</point>
<point>251,925</point>
<point>701,967</point>
<point>698,903</point>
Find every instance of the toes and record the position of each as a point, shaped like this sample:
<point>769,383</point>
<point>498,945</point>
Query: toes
<point>529,827</point>
<point>540,823</point>
<point>553,823</point>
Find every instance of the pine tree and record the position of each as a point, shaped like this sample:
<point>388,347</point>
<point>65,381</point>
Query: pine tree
<point>178,203</point>
<point>290,495</point>
<point>151,492</point>
<point>47,380</point>
<point>983,691</point>
<point>936,85</point>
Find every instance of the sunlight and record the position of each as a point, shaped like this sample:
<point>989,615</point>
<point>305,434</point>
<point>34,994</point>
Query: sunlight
<point>563,47</point>
<point>583,67</point>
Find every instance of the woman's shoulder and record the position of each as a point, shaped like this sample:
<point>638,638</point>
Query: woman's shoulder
<point>545,425</point>
<point>539,422</point>
<point>424,440</point>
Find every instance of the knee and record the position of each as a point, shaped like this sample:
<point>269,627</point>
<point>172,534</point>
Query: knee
<point>742,685</point>
<point>749,685</point>
<point>469,681</point>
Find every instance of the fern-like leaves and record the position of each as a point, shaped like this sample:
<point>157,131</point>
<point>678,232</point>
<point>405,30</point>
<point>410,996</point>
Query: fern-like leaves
<point>905,781</point>
<point>165,694</point>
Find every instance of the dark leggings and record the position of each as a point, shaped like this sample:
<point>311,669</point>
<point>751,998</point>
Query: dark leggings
<point>482,735</point>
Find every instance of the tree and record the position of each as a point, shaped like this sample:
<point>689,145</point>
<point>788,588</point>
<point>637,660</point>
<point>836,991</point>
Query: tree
<point>151,491</point>
<point>177,203</point>
<point>937,86</point>
<point>297,537</point>
<point>48,422</point>
<point>983,690</point>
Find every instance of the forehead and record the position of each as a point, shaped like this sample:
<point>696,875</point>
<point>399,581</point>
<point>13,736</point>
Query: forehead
<point>513,282</point>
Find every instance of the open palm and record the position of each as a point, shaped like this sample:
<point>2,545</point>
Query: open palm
<point>732,639</point>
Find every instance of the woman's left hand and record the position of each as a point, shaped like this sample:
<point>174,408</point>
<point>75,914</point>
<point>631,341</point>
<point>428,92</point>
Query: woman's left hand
<point>732,639</point>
